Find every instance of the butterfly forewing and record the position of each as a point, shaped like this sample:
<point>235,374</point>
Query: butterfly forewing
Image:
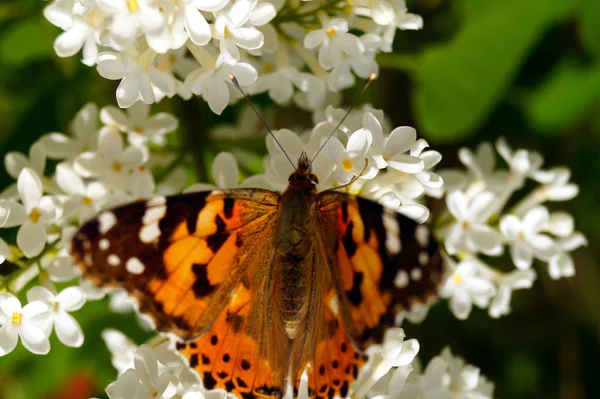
<point>179,256</point>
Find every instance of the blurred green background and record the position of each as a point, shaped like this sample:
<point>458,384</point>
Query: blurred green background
<point>528,70</point>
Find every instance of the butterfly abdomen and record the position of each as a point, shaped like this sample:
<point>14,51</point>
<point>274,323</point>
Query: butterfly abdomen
<point>294,252</point>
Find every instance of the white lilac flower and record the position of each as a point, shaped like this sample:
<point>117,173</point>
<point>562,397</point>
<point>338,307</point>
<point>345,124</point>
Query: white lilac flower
<point>84,200</point>
<point>68,300</point>
<point>213,84</point>
<point>463,379</point>
<point>15,162</point>
<point>402,20</point>
<point>279,84</point>
<point>36,212</point>
<point>121,348</point>
<point>84,129</point>
<point>61,267</point>
<point>60,13</point>
<point>482,166</point>
<point>82,32</point>
<point>471,232</point>
<point>362,65</point>
<point>522,163</point>
<point>138,75</point>
<point>506,284</point>
<point>111,161</point>
<point>395,352</point>
<point>232,31</point>
<point>141,183</point>
<point>465,287</point>
<point>189,21</point>
<point>5,251</point>
<point>562,264</point>
<point>351,159</point>
<point>526,238</point>
<point>334,43</point>
<point>557,187</point>
<point>137,123</point>
<point>32,323</point>
<point>144,381</point>
<point>429,384</point>
<point>392,150</point>
<point>128,17</point>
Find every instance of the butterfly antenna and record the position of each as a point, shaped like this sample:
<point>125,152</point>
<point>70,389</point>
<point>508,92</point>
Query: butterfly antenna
<point>367,83</point>
<point>236,83</point>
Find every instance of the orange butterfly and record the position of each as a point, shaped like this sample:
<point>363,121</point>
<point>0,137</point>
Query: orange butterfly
<point>262,286</point>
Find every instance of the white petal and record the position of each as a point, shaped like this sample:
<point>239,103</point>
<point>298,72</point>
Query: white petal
<point>419,213</point>
<point>543,246</point>
<point>111,69</point>
<point>460,304</point>
<point>216,93</point>
<point>58,145</point>
<point>30,188</point>
<point>209,5</point>
<point>123,29</point>
<point>535,219</point>
<point>334,150</point>
<point>359,143</point>
<point>406,163</point>
<point>9,304</point>
<point>34,339</point>
<point>14,162</point>
<point>70,42</point>
<point>350,44</point>
<point>561,224</point>
<point>455,239</point>
<point>510,226</point>
<point>163,81</point>
<point>225,171</point>
<point>146,365</point>
<point>457,205</point>
<point>262,14</point>
<point>68,180</point>
<point>485,239</point>
<point>71,298</point>
<point>8,340</point>
<point>521,254</point>
<point>562,192</point>
<point>110,142</point>
<point>561,265</point>
<point>16,213</point>
<point>67,329</point>
<point>248,38</point>
<point>31,238</point>
<point>39,293</point>
<point>481,206</point>
<point>382,12</point>
<point>244,73</point>
<point>196,26</point>
<point>400,140</point>
<point>128,92</point>
<point>240,11</point>
<point>314,38</point>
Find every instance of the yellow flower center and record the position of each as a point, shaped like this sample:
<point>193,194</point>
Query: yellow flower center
<point>117,167</point>
<point>133,5</point>
<point>154,394</point>
<point>267,67</point>
<point>465,224</point>
<point>347,164</point>
<point>521,236</point>
<point>458,279</point>
<point>137,130</point>
<point>16,318</point>
<point>226,33</point>
<point>330,32</point>
<point>54,305</point>
<point>87,201</point>
<point>35,215</point>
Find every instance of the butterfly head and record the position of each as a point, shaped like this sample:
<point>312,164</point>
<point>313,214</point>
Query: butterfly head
<point>303,171</point>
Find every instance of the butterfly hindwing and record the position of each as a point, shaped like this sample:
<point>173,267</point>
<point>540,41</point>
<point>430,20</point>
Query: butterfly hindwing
<point>179,256</point>
<point>384,263</point>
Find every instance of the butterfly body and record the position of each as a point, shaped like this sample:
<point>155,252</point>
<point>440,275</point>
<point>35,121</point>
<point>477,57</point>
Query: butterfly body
<point>262,287</point>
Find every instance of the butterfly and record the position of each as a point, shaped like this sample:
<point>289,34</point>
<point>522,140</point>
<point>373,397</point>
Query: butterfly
<point>261,287</point>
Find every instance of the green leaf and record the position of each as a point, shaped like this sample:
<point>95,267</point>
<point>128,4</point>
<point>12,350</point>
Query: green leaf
<point>24,43</point>
<point>459,83</point>
<point>564,97</point>
<point>589,28</point>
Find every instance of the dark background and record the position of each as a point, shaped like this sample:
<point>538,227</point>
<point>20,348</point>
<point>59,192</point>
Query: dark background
<point>528,70</point>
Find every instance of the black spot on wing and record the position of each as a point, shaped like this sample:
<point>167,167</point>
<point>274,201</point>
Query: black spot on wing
<point>348,241</point>
<point>228,207</point>
<point>216,241</point>
<point>355,295</point>
<point>201,286</point>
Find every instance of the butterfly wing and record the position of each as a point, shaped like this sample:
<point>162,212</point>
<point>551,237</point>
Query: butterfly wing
<point>246,350</point>
<point>182,256</point>
<point>384,263</point>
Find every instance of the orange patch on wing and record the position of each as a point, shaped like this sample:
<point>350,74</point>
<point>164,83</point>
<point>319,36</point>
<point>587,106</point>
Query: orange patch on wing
<point>223,262</point>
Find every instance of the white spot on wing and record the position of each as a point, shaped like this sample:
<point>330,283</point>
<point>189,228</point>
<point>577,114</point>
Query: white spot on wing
<point>334,305</point>
<point>106,221</point>
<point>154,214</point>
<point>113,260</point>
<point>104,244</point>
<point>156,201</point>
<point>401,279</point>
<point>422,235</point>
<point>423,258</point>
<point>392,232</point>
<point>416,274</point>
<point>149,233</point>
<point>135,266</point>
